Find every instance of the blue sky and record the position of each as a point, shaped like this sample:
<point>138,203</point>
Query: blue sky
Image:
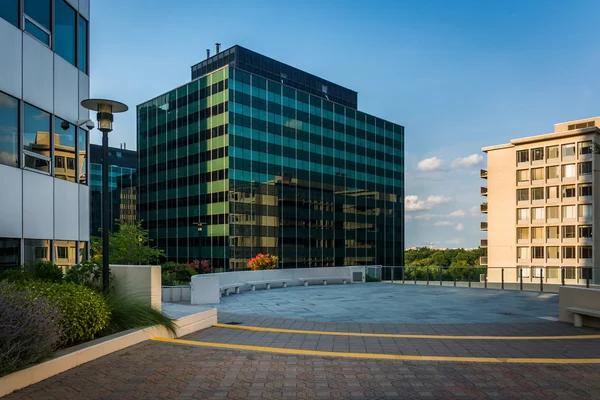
<point>459,75</point>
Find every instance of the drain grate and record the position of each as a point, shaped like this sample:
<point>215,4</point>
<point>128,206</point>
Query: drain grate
<point>232,323</point>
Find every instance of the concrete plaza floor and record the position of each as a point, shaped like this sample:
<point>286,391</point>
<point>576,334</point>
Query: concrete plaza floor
<point>354,341</point>
<point>392,303</point>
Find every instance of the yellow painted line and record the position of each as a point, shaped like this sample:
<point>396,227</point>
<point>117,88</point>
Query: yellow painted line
<point>397,357</point>
<point>401,335</point>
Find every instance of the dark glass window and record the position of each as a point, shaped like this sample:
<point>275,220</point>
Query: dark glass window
<point>9,253</point>
<point>64,31</point>
<point>37,19</point>
<point>82,155</point>
<point>83,45</point>
<point>36,138</point>
<point>9,130</point>
<point>9,10</point>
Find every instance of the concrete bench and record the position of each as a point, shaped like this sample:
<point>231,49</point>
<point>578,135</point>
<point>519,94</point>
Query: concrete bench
<point>268,283</point>
<point>235,286</point>
<point>323,279</point>
<point>579,312</point>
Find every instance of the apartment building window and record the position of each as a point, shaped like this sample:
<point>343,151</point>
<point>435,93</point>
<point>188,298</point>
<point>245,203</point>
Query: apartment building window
<point>37,19</point>
<point>9,10</point>
<point>59,163</point>
<point>64,146</point>
<point>568,171</point>
<point>568,232</point>
<point>537,193</point>
<point>522,214</point>
<point>570,273</point>
<point>62,252</point>
<point>537,233</point>
<point>537,213</point>
<point>9,130</point>
<point>537,154</point>
<point>585,189</point>
<point>537,174</point>
<point>585,252</point>
<point>568,212</point>
<point>522,175</point>
<point>552,232</point>
<point>537,252</point>
<point>553,172</point>
<point>522,194</point>
<point>585,231</point>
<point>65,35</point>
<point>552,192</point>
<point>522,253</point>
<point>585,147</point>
<point>522,233</point>
<point>568,252</point>
<point>568,191</point>
<point>568,150</point>
<point>551,152</point>
<point>552,212</point>
<point>552,252</point>
<point>36,139</point>
<point>537,272</point>
<point>523,271</point>
<point>585,211</point>
<point>522,156</point>
<point>585,168</point>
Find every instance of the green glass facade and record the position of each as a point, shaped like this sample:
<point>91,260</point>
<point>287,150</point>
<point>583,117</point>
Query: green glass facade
<point>267,168</point>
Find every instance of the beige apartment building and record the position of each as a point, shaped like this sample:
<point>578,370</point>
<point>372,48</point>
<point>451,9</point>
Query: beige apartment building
<point>541,205</point>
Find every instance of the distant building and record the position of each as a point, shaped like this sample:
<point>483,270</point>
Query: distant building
<point>122,165</point>
<point>542,196</point>
<point>44,76</point>
<point>268,158</point>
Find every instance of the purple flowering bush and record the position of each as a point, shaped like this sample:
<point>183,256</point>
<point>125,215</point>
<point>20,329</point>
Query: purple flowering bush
<point>30,328</point>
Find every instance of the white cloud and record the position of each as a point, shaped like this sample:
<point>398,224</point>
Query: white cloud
<point>426,216</point>
<point>468,161</point>
<point>430,164</point>
<point>457,213</point>
<point>475,211</point>
<point>459,227</point>
<point>442,223</point>
<point>413,203</point>
<point>455,241</point>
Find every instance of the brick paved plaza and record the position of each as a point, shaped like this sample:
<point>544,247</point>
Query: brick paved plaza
<point>156,369</point>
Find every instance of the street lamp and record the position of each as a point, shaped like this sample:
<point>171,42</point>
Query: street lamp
<point>105,110</point>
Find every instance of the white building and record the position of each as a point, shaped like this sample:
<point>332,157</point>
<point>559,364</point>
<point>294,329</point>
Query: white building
<point>44,75</point>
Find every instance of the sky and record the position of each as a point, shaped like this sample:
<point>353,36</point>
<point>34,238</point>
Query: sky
<point>458,75</point>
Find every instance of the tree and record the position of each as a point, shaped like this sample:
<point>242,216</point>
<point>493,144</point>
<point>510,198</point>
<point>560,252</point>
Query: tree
<point>129,245</point>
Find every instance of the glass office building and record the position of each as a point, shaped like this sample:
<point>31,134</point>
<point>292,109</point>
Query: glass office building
<point>249,157</point>
<point>122,166</point>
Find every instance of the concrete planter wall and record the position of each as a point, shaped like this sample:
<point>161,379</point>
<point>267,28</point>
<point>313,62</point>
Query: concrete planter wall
<point>171,294</point>
<point>206,287</point>
<point>571,296</point>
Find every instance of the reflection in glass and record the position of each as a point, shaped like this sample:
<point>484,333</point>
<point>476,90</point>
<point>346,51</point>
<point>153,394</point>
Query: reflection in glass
<point>83,253</point>
<point>9,130</point>
<point>64,150</point>
<point>37,19</point>
<point>9,10</point>
<point>36,250</point>
<point>83,44</point>
<point>9,253</point>
<point>66,253</point>
<point>36,138</point>
<point>64,31</point>
<point>82,155</point>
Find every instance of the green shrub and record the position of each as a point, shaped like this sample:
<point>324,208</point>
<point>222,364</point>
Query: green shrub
<point>86,274</point>
<point>128,313</point>
<point>176,274</point>
<point>85,313</point>
<point>41,271</point>
<point>371,278</point>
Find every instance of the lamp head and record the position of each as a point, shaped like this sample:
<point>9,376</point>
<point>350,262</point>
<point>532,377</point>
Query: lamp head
<point>105,110</point>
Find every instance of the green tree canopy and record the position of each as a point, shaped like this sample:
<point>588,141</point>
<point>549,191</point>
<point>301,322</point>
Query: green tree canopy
<point>129,245</point>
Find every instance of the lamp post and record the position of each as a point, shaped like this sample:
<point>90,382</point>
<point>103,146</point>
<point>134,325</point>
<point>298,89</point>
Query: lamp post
<point>105,110</point>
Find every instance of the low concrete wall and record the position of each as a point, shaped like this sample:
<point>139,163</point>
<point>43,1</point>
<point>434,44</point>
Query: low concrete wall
<point>140,281</point>
<point>571,296</point>
<point>172,294</point>
<point>71,358</point>
<point>205,288</point>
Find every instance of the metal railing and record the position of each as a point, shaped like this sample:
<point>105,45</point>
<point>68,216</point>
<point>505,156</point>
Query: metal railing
<point>483,173</point>
<point>540,279</point>
<point>484,226</point>
<point>483,191</point>
<point>483,207</point>
<point>483,243</point>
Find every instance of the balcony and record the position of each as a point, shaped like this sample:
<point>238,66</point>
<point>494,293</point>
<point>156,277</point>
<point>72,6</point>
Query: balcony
<point>484,226</point>
<point>483,208</point>
<point>483,173</point>
<point>483,261</point>
<point>483,191</point>
<point>483,243</point>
